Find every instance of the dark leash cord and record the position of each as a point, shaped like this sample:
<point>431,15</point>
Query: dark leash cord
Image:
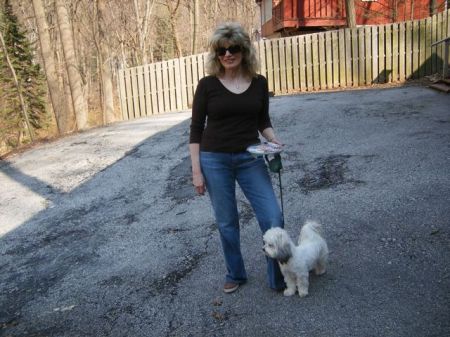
<point>276,166</point>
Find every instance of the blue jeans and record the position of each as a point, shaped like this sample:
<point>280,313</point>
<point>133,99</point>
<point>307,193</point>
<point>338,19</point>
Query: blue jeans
<point>221,171</point>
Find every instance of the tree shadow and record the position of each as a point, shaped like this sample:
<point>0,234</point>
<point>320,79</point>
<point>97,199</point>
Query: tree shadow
<point>383,76</point>
<point>430,66</point>
<point>34,184</point>
<point>117,201</point>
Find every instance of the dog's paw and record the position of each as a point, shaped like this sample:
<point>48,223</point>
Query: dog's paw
<point>289,292</point>
<point>302,292</point>
<point>320,271</point>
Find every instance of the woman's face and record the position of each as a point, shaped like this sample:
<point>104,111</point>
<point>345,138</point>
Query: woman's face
<point>230,56</point>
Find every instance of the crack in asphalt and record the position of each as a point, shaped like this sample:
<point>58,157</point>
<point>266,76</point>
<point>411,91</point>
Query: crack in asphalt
<point>328,172</point>
<point>179,187</point>
<point>169,282</point>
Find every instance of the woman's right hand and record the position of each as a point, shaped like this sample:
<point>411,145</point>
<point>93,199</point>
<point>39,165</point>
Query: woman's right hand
<point>199,183</point>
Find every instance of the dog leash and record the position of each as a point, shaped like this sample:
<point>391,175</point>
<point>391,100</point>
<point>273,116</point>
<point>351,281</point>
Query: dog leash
<point>275,166</point>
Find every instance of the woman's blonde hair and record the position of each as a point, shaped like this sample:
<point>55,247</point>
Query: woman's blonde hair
<point>233,34</point>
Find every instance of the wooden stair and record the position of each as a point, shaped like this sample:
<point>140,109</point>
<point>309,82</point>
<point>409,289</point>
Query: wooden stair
<point>442,85</point>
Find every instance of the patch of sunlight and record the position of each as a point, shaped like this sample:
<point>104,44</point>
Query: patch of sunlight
<point>18,204</point>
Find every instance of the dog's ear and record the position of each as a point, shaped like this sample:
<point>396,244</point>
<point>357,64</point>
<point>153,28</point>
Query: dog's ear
<point>284,251</point>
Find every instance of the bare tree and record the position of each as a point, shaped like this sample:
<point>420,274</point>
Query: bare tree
<point>173,11</point>
<point>105,68</point>
<point>433,7</point>
<point>57,97</point>
<point>195,22</point>
<point>142,24</point>
<point>76,84</point>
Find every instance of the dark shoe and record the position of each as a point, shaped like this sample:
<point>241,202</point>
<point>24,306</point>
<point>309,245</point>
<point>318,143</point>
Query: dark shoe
<point>279,290</point>
<point>230,287</point>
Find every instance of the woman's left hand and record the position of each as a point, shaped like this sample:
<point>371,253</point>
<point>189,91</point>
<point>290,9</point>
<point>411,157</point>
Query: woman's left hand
<point>275,140</point>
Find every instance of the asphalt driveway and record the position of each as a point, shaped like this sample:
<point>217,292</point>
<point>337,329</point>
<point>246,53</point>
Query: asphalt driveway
<point>101,234</point>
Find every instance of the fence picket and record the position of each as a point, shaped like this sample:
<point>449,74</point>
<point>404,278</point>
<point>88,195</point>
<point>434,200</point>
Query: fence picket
<point>388,54</point>
<point>276,66</point>
<point>381,55</point>
<point>355,57</point>
<point>414,50</point>
<point>322,68</point>
<point>433,40</point>
<point>178,85</point>
<point>375,38</point>
<point>122,93</point>
<point>395,52</point>
<point>171,83</point>
<point>348,57</point>
<point>335,58</point>
<point>200,66</point>
<point>409,50</point>
<point>147,91</point>
<point>195,75</point>
<point>159,87</point>
<point>302,60</point>
<point>328,51</point>
<point>153,88</point>
<point>440,47</point>
<point>283,67</point>
<point>368,54</point>
<point>316,61</point>
<point>262,59</point>
<point>189,80</point>
<point>402,52</point>
<point>134,86</point>
<point>141,91</point>
<point>289,67</point>
<point>269,53</point>
<point>342,81</point>
<point>428,37</point>
<point>295,64</point>
<point>309,63</point>
<point>165,82</point>
<point>361,59</point>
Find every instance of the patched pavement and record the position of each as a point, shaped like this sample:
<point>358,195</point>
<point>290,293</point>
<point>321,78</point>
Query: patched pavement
<point>101,234</point>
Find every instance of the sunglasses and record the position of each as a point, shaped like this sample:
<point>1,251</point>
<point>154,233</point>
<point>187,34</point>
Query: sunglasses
<point>221,51</point>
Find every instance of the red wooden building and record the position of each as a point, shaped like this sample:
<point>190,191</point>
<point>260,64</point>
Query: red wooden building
<point>292,17</point>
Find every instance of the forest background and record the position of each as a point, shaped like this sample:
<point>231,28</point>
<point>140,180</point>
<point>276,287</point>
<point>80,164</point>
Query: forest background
<point>59,58</point>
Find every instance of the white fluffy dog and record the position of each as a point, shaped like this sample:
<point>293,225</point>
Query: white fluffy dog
<point>296,261</point>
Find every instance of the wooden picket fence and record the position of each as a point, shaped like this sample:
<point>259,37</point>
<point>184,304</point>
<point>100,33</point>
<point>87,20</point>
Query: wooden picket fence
<point>334,59</point>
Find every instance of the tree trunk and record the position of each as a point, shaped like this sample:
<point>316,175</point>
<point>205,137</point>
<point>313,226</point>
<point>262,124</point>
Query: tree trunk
<point>433,7</point>
<point>142,27</point>
<point>106,76</point>
<point>19,89</point>
<point>173,25</point>
<point>350,13</point>
<point>56,95</point>
<point>76,85</point>
<point>195,19</point>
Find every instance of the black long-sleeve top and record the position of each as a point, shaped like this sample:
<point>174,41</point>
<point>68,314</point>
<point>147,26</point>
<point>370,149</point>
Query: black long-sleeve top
<point>223,121</point>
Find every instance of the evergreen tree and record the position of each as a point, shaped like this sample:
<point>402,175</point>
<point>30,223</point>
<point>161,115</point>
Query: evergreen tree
<point>30,78</point>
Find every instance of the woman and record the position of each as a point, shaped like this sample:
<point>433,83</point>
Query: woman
<point>230,106</point>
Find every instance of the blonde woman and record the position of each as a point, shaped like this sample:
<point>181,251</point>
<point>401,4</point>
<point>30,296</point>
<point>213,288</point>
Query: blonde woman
<point>230,110</point>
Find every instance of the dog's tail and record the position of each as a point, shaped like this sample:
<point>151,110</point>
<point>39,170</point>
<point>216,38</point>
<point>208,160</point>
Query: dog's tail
<point>309,230</point>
